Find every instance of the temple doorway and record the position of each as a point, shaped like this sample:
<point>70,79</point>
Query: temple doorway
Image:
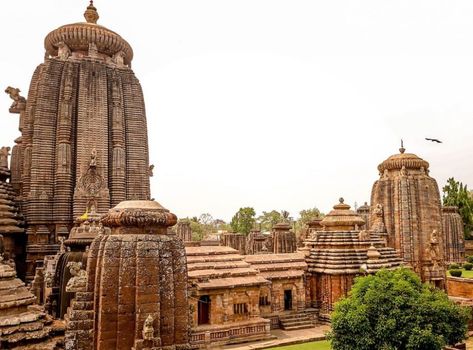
<point>288,299</point>
<point>204,310</point>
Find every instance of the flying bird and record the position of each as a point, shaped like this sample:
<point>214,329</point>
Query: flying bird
<point>433,140</point>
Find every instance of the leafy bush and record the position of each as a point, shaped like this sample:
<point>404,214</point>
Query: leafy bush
<point>453,266</point>
<point>455,272</point>
<point>469,258</point>
<point>395,310</point>
<point>468,266</point>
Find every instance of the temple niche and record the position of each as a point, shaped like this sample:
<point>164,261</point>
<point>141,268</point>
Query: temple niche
<point>73,156</point>
<point>407,200</point>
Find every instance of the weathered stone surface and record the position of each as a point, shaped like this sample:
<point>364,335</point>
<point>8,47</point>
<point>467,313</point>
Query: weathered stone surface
<point>411,212</point>
<point>22,323</point>
<point>454,235</point>
<point>234,240</point>
<point>73,157</point>
<point>340,252</point>
<point>284,240</point>
<point>135,271</point>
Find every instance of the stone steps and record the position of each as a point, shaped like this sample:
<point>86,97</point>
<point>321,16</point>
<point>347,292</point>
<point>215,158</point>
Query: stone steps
<point>294,321</point>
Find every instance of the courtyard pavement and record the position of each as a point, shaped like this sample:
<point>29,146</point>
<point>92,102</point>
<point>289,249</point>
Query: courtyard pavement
<point>283,338</point>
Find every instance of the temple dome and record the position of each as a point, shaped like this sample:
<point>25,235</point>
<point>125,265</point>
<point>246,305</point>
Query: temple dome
<point>342,218</point>
<point>406,160</point>
<point>78,36</point>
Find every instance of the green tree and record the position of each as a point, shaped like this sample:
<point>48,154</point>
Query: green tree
<point>244,220</point>
<point>394,310</point>
<point>457,194</point>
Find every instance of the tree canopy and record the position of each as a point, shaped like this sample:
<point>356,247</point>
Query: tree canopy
<point>394,310</point>
<point>244,220</point>
<point>457,194</point>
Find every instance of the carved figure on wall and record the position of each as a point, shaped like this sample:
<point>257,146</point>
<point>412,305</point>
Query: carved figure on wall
<point>4,153</point>
<point>93,51</point>
<point>403,171</point>
<point>93,158</point>
<point>63,51</point>
<point>364,235</point>
<point>148,329</point>
<point>14,94</point>
<point>119,58</point>
<point>150,170</point>
<point>79,277</point>
<point>378,222</point>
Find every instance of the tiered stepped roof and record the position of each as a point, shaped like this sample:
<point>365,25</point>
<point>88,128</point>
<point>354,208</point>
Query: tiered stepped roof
<point>212,267</point>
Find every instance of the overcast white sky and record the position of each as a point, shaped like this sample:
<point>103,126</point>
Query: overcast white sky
<point>277,104</point>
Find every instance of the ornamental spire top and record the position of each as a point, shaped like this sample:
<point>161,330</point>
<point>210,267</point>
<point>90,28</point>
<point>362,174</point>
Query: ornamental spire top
<point>91,15</point>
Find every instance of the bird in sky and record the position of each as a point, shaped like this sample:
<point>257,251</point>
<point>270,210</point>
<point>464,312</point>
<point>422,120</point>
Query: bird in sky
<point>433,140</point>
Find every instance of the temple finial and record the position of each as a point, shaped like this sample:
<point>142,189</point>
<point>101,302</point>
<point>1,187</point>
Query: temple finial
<point>402,149</point>
<point>91,15</point>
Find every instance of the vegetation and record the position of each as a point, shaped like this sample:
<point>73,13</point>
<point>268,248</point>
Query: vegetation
<point>244,220</point>
<point>457,194</point>
<point>468,266</point>
<point>465,273</point>
<point>469,258</point>
<point>455,272</point>
<point>395,310</point>
<point>453,266</point>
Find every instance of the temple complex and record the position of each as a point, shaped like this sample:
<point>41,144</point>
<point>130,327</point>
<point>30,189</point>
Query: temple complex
<point>73,156</point>
<point>407,200</point>
<point>106,267</point>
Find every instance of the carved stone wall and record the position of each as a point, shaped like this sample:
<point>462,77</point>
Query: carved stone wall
<point>135,272</point>
<point>454,235</point>
<point>284,240</point>
<point>410,201</point>
<point>234,240</point>
<point>78,111</point>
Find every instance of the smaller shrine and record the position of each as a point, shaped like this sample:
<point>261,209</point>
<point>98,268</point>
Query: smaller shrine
<point>341,251</point>
<point>454,235</point>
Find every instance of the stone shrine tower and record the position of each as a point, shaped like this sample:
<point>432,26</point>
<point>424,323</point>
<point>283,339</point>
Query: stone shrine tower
<point>134,294</point>
<point>84,143</point>
<point>409,201</point>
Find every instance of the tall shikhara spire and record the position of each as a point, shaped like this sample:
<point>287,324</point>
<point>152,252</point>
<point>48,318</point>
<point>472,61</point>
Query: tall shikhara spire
<point>84,142</point>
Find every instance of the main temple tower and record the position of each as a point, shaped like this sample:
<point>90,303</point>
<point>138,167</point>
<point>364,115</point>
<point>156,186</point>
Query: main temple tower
<point>84,143</point>
<point>407,201</point>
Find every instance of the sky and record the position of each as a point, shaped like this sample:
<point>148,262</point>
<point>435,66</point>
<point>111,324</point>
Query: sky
<point>277,104</point>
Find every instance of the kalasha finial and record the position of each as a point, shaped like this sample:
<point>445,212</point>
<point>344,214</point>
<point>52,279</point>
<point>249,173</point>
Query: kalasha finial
<point>91,15</point>
<point>402,149</point>
<point>341,200</point>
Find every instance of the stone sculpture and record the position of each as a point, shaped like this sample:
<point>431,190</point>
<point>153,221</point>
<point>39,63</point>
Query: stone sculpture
<point>79,277</point>
<point>18,100</point>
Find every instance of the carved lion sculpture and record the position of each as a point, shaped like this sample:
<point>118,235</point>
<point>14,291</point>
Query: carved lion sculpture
<point>14,94</point>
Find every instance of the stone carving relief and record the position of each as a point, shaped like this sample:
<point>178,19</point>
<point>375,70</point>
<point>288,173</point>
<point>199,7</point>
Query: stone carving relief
<point>119,59</point>
<point>4,153</point>
<point>148,329</point>
<point>93,51</point>
<point>78,281</point>
<point>150,170</point>
<point>378,222</point>
<point>19,102</point>
<point>63,51</point>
